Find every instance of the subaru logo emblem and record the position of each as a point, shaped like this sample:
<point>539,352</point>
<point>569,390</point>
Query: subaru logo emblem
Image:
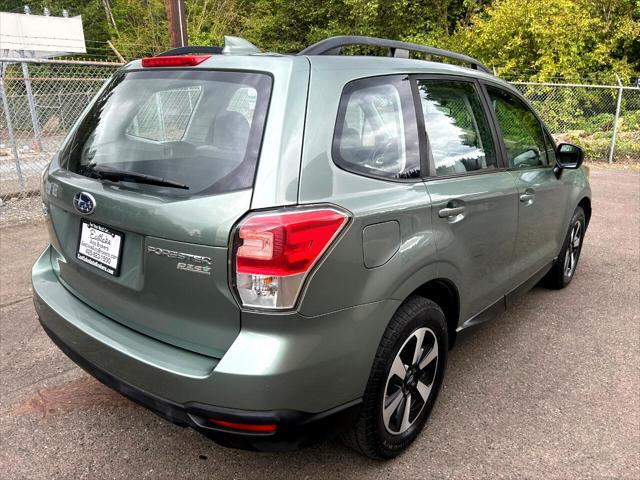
<point>84,203</point>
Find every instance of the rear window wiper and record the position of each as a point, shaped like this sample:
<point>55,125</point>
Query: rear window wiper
<point>117,175</point>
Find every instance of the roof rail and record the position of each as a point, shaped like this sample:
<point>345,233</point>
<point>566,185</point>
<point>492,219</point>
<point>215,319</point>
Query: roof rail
<point>332,46</point>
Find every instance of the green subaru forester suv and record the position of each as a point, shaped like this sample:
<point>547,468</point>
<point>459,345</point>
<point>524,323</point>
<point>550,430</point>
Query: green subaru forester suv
<point>274,248</point>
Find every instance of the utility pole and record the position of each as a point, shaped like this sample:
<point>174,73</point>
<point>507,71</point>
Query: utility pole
<point>177,23</point>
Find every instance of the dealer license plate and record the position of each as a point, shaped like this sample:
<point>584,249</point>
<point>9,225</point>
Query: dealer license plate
<point>100,246</point>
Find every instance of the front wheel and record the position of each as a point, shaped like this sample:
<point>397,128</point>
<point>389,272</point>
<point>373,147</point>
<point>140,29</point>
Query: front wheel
<point>564,268</point>
<point>404,381</point>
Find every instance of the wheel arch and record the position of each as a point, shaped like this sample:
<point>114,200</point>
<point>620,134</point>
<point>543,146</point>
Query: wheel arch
<point>445,293</point>
<point>585,203</point>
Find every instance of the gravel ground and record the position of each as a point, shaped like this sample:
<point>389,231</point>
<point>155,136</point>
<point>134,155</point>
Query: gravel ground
<point>550,389</point>
<point>20,210</point>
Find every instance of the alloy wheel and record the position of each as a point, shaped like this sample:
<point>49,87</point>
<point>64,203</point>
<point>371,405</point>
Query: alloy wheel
<point>410,381</point>
<point>573,249</point>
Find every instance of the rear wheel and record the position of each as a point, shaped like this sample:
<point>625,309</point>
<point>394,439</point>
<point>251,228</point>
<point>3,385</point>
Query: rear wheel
<point>564,268</point>
<point>404,382</point>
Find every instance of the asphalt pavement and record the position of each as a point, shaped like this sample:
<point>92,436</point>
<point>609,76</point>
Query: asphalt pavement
<point>549,389</point>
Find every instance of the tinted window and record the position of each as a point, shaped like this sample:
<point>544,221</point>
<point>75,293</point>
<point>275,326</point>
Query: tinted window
<point>457,128</point>
<point>521,130</point>
<point>376,132</point>
<point>199,128</point>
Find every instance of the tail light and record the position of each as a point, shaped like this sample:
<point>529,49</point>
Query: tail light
<point>275,251</point>
<point>174,61</point>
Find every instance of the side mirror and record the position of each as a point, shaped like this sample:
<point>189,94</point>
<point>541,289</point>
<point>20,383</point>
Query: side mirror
<point>569,156</point>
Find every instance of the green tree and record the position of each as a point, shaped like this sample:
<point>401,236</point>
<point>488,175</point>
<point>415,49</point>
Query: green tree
<point>285,26</point>
<point>141,27</point>
<point>209,20</point>
<point>523,39</point>
<point>547,39</point>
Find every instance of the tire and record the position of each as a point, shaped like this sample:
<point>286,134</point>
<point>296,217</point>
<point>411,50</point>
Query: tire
<point>383,435</point>
<point>564,268</point>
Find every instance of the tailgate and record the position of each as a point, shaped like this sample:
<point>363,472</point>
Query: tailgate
<point>145,192</point>
<point>161,288</point>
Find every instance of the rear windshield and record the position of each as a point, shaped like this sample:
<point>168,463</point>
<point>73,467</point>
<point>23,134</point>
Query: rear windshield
<point>198,128</point>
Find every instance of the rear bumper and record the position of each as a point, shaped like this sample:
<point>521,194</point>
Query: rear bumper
<point>294,429</point>
<point>306,375</point>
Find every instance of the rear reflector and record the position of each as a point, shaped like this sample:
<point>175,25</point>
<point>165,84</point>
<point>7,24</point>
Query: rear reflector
<point>245,427</point>
<point>275,251</point>
<point>174,61</point>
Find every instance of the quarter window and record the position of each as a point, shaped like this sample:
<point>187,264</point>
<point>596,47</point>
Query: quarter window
<point>376,133</point>
<point>522,133</point>
<point>457,128</point>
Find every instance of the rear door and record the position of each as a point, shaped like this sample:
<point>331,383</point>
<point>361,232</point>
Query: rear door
<point>542,197</point>
<point>473,197</point>
<point>151,252</point>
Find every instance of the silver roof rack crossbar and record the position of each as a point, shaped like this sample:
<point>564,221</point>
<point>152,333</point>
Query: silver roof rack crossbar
<point>332,46</point>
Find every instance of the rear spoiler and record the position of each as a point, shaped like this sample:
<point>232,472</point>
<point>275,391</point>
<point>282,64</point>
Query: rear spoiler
<point>232,46</point>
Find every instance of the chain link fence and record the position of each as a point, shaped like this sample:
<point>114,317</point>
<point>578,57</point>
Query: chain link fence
<point>603,119</point>
<point>41,99</point>
<point>40,102</point>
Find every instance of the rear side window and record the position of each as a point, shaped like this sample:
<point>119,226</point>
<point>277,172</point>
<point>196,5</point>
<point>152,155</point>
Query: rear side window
<point>194,127</point>
<point>457,127</point>
<point>376,133</point>
<point>522,133</point>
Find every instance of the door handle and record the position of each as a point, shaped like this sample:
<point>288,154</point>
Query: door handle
<point>450,212</point>
<point>528,196</point>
